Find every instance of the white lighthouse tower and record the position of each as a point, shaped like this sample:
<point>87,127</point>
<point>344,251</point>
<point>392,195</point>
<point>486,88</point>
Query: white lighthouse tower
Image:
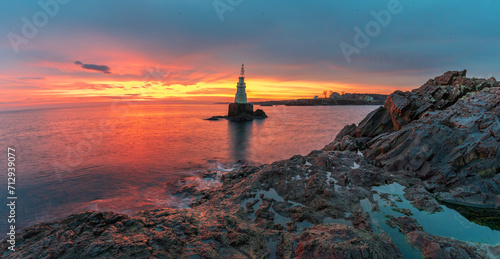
<point>240,110</point>
<point>241,96</point>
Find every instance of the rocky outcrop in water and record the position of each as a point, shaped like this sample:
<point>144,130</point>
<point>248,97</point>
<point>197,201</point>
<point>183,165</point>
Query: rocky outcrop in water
<point>325,204</point>
<point>244,112</point>
<point>241,112</point>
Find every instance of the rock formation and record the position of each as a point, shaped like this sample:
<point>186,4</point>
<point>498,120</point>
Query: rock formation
<point>447,132</point>
<point>241,112</point>
<point>244,112</point>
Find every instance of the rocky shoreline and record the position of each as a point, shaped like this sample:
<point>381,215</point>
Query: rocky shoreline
<point>438,143</point>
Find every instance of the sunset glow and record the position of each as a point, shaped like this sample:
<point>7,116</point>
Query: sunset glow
<point>189,52</point>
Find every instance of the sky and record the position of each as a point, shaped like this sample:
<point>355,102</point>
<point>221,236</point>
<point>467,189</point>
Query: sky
<point>59,52</point>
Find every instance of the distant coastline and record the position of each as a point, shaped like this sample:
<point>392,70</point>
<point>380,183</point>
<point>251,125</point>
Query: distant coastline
<point>353,99</point>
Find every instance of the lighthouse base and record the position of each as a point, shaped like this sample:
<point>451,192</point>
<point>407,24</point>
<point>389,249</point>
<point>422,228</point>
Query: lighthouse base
<point>244,112</point>
<point>237,109</point>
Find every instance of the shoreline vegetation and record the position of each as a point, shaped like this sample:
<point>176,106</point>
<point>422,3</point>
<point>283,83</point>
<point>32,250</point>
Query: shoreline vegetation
<point>361,196</point>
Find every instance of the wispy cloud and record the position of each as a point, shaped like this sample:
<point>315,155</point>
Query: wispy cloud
<point>102,68</point>
<point>31,78</point>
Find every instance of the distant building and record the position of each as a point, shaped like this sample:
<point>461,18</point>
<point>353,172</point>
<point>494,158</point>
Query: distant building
<point>315,97</point>
<point>335,96</point>
<point>348,96</point>
<point>241,95</point>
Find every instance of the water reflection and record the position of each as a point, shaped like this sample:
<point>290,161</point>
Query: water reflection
<point>240,133</point>
<point>127,167</point>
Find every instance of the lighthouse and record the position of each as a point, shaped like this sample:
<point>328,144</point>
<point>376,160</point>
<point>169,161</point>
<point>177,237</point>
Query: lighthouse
<point>241,95</point>
<point>240,110</point>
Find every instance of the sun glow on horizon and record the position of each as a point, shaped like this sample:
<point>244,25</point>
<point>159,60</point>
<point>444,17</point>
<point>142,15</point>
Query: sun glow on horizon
<point>222,90</point>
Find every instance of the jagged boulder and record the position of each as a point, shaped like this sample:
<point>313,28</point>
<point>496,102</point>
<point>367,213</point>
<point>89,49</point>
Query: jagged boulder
<point>440,247</point>
<point>340,241</point>
<point>348,130</point>
<point>375,123</point>
<point>259,114</point>
<point>456,150</point>
<point>446,132</point>
<point>437,94</point>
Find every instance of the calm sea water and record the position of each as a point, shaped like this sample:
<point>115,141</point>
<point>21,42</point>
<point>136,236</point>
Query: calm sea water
<point>120,158</point>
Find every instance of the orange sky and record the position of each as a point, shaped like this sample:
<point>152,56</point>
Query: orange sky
<point>183,51</point>
<point>134,77</point>
<point>137,76</point>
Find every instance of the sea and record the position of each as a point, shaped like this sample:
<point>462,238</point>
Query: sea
<point>123,157</point>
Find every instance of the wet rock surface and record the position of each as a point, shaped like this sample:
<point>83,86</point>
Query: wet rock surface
<point>303,207</point>
<point>276,210</point>
<point>446,132</point>
<point>455,151</point>
<point>314,206</point>
<point>440,247</point>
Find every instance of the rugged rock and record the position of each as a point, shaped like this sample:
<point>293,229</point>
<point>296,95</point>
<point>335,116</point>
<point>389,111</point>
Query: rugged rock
<point>421,198</point>
<point>259,114</point>
<point>340,241</point>
<point>303,207</point>
<point>347,143</point>
<point>348,130</point>
<point>216,118</point>
<point>437,94</point>
<point>257,212</point>
<point>446,132</point>
<point>456,151</point>
<point>166,233</point>
<point>377,122</point>
<point>440,247</point>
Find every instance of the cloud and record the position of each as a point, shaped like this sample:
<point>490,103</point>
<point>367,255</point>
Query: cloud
<point>19,87</point>
<point>85,86</point>
<point>31,78</point>
<point>102,68</point>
